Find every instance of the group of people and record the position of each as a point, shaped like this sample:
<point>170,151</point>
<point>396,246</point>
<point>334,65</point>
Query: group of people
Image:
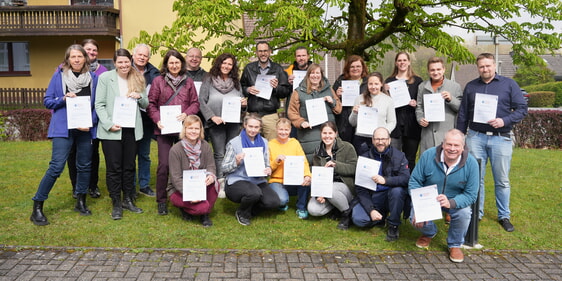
<point>336,143</point>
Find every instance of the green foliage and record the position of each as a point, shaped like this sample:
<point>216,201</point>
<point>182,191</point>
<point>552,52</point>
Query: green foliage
<point>540,129</point>
<point>533,74</point>
<point>552,86</point>
<point>541,99</point>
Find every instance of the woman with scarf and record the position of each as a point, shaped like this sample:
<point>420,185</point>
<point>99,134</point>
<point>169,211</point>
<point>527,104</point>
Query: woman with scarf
<point>192,152</point>
<point>72,80</point>
<point>172,87</point>
<point>253,193</point>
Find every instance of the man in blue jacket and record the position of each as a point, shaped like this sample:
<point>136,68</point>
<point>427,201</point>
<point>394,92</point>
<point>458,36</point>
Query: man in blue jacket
<point>455,172</point>
<point>391,192</point>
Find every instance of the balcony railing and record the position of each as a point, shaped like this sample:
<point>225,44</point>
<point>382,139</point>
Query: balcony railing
<point>58,20</point>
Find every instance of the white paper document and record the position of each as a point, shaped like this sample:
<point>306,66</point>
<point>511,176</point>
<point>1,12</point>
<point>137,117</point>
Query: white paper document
<point>426,206</point>
<point>485,108</point>
<point>316,111</point>
<point>79,112</point>
<point>262,84</point>
<point>231,109</point>
<point>125,112</point>
<point>197,86</point>
<point>194,188</point>
<point>254,162</point>
<point>299,76</point>
<point>434,107</point>
<point>322,183</point>
<point>169,119</point>
<point>367,120</point>
<point>293,170</point>
<point>350,91</point>
<point>399,93</point>
<point>365,170</point>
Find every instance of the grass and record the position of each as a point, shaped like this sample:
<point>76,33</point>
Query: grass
<point>536,204</point>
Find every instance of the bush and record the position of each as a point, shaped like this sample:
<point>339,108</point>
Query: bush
<point>540,129</point>
<point>541,99</point>
<point>27,124</point>
<point>553,86</point>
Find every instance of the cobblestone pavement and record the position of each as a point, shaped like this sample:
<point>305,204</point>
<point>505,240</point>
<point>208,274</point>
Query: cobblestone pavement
<point>19,263</point>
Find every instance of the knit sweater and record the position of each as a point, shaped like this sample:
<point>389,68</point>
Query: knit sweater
<point>386,114</point>
<point>291,148</point>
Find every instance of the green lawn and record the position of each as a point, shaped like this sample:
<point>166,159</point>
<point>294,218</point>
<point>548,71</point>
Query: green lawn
<point>536,205</point>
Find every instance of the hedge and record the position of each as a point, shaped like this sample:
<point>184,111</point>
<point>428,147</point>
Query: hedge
<point>541,99</point>
<point>555,87</point>
<point>540,129</point>
<point>25,124</point>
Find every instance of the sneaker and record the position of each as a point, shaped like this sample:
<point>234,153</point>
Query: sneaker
<point>185,215</point>
<point>392,233</point>
<point>423,242</point>
<point>284,208</point>
<point>302,214</point>
<point>162,208</point>
<point>206,220</point>
<point>456,254</point>
<point>242,220</point>
<point>95,192</point>
<point>147,191</point>
<point>506,224</point>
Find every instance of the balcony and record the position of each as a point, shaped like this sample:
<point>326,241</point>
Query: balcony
<point>58,21</point>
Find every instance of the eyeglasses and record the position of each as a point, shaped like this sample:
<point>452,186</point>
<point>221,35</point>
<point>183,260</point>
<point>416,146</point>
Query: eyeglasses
<point>381,139</point>
<point>194,57</point>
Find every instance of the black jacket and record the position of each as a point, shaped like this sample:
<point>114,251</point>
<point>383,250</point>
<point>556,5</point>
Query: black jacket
<point>257,104</point>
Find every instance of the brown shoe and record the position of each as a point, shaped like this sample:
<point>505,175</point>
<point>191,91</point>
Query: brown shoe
<point>456,255</point>
<point>447,218</point>
<point>423,242</point>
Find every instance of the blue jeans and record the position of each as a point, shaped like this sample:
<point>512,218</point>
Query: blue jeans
<point>143,152</point>
<point>499,150</point>
<point>460,219</point>
<point>391,200</point>
<point>284,191</point>
<point>59,155</point>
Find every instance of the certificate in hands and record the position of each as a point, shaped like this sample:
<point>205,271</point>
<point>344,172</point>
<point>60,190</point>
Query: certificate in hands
<point>365,170</point>
<point>194,188</point>
<point>367,120</point>
<point>125,112</point>
<point>293,170</point>
<point>169,119</point>
<point>316,111</point>
<point>399,93</point>
<point>299,76</point>
<point>434,107</point>
<point>254,162</point>
<point>485,108</point>
<point>322,183</point>
<point>263,85</point>
<point>231,109</point>
<point>78,112</point>
<point>426,206</point>
<point>350,91</point>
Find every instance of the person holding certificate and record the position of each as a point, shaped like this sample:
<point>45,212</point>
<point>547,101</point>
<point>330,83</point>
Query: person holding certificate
<point>354,69</point>
<point>432,132</point>
<point>290,173</point>
<point>339,154</point>
<point>171,88</point>
<point>192,152</point>
<point>374,98</point>
<point>71,81</point>
<point>253,193</point>
<point>316,86</point>
<point>122,85</point>
<point>221,83</point>
<point>455,172</point>
<point>406,135</point>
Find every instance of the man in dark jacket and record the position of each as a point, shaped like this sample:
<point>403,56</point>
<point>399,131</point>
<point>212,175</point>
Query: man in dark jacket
<point>391,191</point>
<point>266,108</point>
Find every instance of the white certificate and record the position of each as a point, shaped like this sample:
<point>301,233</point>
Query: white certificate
<point>351,90</point>
<point>316,111</point>
<point>197,86</point>
<point>79,112</point>
<point>293,170</point>
<point>194,187</point>
<point>365,170</point>
<point>263,85</point>
<point>485,107</point>
<point>254,162</point>
<point>367,120</point>
<point>125,112</point>
<point>426,206</point>
<point>399,93</point>
<point>322,183</point>
<point>231,109</point>
<point>434,107</point>
<point>169,119</point>
<point>299,76</point>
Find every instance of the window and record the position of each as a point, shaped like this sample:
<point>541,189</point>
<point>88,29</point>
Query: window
<point>14,58</point>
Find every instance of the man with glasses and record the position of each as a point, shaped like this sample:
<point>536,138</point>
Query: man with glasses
<point>193,59</point>
<point>387,201</point>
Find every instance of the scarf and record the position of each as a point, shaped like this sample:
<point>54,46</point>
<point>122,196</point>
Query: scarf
<point>223,86</point>
<point>75,84</point>
<point>174,82</point>
<point>193,153</point>
<point>94,66</point>
<point>246,142</point>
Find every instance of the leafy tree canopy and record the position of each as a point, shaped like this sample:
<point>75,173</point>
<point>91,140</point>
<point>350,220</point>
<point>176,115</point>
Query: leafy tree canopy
<point>533,74</point>
<point>366,28</point>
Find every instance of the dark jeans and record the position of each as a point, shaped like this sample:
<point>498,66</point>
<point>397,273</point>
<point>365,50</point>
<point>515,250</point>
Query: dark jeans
<point>143,152</point>
<point>71,163</point>
<point>410,148</point>
<point>251,196</point>
<point>165,143</point>
<point>390,201</point>
<point>120,164</point>
<point>220,136</point>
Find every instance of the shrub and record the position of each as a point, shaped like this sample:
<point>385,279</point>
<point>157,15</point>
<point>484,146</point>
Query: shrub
<point>541,99</point>
<point>28,124</point>
<point>553,86</point>
<point>540,129</point>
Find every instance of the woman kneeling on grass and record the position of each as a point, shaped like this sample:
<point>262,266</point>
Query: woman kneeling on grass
<point>192,152</point>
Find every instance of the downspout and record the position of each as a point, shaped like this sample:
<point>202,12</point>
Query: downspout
<point>120,37</point>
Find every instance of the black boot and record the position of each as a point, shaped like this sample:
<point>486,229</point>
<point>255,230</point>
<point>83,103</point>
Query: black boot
<point>206,221</point>
<point>37,216</point>
<point>344,220</point>
<point>130,205</point>
<point>81,205</point>
<point>117,212</point>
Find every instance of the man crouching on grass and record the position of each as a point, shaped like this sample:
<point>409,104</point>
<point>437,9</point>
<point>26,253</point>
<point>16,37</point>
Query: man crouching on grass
<point>455,172</point>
